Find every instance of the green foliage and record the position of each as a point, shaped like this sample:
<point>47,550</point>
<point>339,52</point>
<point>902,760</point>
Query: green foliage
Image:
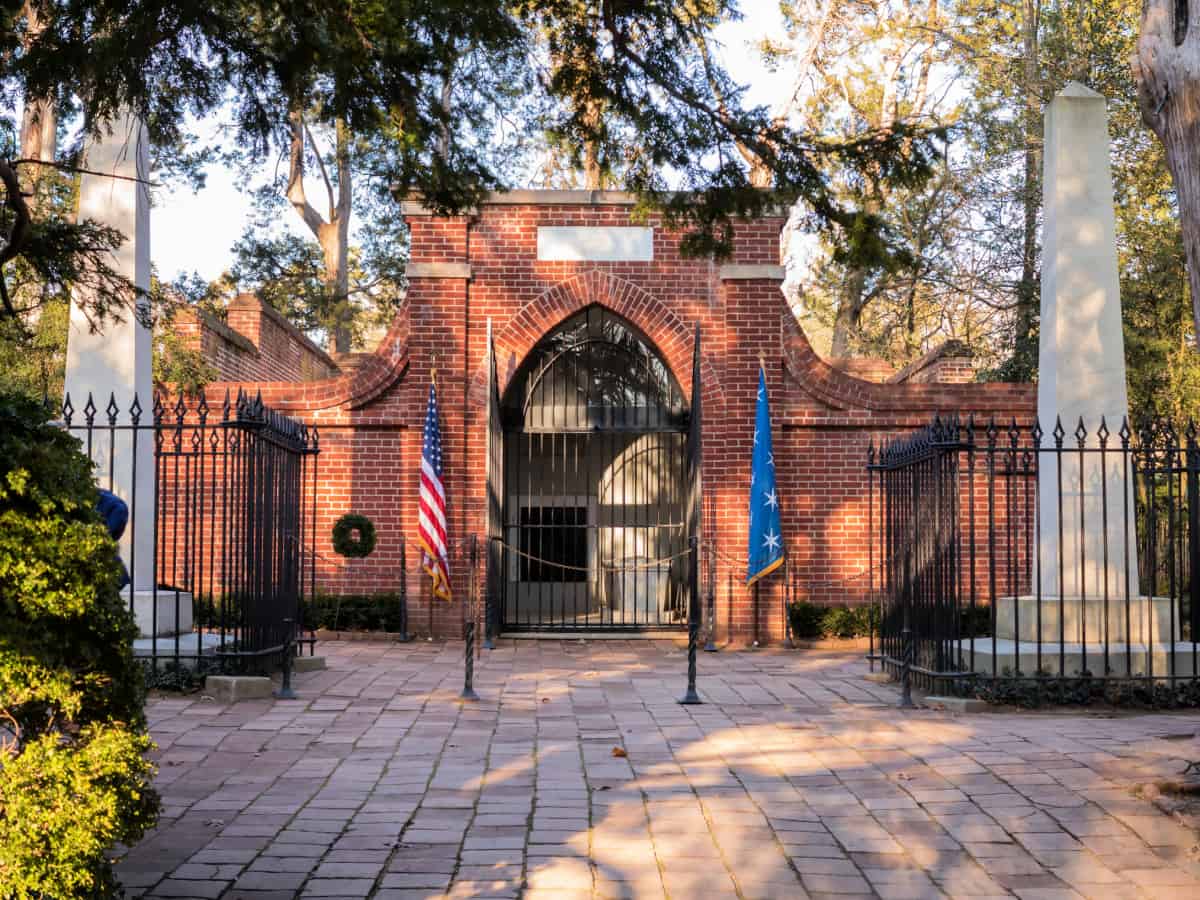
<point>354,536</point>
<point>1082,689</point>
<point>440,93</point>
<point>33,355</point>
<point>810,621</point>
<point>73,779</point>
<point>354,612</point>
<point>289,272</point>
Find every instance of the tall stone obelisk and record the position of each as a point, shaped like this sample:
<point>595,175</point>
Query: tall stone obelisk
<point>1081,368</point>
<point>113,360</point>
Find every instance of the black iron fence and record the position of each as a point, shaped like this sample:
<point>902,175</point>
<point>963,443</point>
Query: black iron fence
<point>1002,554</point>
<point>218,543</point>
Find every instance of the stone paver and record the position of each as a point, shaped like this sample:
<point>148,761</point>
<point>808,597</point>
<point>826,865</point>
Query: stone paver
<point>797,778</point>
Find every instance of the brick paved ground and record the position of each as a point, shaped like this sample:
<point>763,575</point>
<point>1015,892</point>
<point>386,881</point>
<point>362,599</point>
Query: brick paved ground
<point>797,778</point>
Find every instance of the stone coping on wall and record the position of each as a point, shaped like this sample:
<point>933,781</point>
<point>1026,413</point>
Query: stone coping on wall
<point>951,349</point>
<point>412,205</point>
<point>252,302</point>
<point>221,330</point>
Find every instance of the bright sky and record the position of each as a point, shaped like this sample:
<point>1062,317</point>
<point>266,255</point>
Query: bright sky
<point>194,231</point>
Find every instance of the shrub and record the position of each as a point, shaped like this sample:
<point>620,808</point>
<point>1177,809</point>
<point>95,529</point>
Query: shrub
<point>73,778</point>
<point>811,621</point>
<point>354,612</point>
<point>806,619</point>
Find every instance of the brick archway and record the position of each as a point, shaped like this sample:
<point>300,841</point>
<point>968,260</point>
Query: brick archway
<point>670,335</point>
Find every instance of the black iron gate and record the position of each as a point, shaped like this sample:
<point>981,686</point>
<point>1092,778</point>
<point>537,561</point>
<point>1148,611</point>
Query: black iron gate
<point>593,529</point>
<point>219,539</point>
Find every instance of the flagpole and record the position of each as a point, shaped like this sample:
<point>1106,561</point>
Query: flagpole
<point>762,368</point>
<point>432,581</point>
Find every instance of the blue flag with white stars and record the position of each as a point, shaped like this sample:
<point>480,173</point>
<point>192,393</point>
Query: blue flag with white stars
<point>766,534</point>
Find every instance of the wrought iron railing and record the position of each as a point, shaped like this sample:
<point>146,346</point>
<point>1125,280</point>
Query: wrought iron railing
<point>1008,555</point>
<point>219,543</point>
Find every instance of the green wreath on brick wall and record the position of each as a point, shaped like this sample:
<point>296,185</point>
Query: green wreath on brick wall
<point>354,536</point>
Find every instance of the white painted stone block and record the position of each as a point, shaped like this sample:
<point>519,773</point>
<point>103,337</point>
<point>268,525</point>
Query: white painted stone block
<point>1086,619</point>
<point>595,244</point>
<point>161,613</point>
<point>115,360</point>
<point>1081,366</point>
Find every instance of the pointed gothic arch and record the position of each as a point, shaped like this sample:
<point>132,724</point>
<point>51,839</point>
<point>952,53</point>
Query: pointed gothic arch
<point>594,492</point>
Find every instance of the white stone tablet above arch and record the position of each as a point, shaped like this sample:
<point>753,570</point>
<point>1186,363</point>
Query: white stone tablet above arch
<point>595,244</point>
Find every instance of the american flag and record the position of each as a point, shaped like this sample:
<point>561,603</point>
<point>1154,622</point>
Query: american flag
<point>431,521</point>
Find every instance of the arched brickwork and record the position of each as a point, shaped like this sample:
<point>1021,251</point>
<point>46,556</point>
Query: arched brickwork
<point>671,336</point>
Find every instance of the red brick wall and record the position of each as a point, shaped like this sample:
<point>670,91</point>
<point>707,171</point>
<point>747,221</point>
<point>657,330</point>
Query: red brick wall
<point>370,420</point>
<point>254,344</point>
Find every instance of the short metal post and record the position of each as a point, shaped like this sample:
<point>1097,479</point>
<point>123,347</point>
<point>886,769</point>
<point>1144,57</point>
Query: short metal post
<point>432,600</point>
<point>468,691</point>
<point>488,643</point>
<point>789,590</point>
<point>488,598</point>
<point>405,637</point>
<point>691,697</point>
<point>710,644</point>
<point>871,634</point>
<point>906,700</point>
<point>285,691</point>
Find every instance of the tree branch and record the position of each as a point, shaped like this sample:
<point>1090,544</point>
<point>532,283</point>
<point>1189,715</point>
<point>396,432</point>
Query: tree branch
<point>295,187</point>
<point>312,142</point>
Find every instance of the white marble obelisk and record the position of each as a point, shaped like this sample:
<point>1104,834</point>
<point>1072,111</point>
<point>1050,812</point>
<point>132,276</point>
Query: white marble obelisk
<point>114,359</point>
<point>1081,368</point>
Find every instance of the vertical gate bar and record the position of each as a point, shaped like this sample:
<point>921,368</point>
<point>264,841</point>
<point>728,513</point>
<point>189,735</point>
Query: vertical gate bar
<point>870,557</point>
<point>1192,464</point>
<point>1169,465</point>
<point>1037,587</point>
<point>991,525</point>
<point>1058,448</point>
<point>1010,540</point>
<point>1082,438</point>
<point>1152,535</point>
<point>1128,488</point>
<point>691,697</point>
<point>1102,436</point>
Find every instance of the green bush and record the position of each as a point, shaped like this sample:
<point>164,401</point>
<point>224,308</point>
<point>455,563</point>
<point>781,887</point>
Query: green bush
<point>73,777</point>
<point>810,621</point>
<point>807,620</point>
<point>354,612</point>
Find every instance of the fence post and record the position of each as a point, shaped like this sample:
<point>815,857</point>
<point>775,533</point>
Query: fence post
<point>691,697</point>
<point>285,691</point>
<point>906,700</point>
<point>405,637</point>
<point>489,599</point>
<point>468,691</point>
<point>1193,501</point>
<point>710,645</point>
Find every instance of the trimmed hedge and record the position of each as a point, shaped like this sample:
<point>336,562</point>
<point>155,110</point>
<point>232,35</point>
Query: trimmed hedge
<point>354,612</point>
<point>73,779</point>
<point>811,622</point>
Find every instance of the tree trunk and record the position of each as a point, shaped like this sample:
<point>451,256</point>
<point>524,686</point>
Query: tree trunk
<point>337,249</point>
<point>39,120</point>
<point>593,173</point>
<point>1167,70</point>
<point>1028,302</point>
<point>332,235</point>
<point>849,315</point>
